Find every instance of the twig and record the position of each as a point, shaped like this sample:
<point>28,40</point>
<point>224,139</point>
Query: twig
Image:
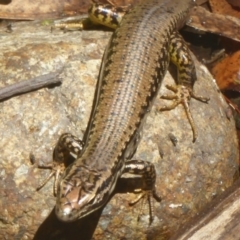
<point>30,85</point>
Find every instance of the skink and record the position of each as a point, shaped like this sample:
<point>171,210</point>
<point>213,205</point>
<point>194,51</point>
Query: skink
<point>133,67</point>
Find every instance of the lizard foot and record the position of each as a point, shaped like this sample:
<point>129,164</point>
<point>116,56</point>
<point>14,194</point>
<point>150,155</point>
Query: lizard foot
<point>182,95</point>
<point>56,171</point>
<point>146,196</point>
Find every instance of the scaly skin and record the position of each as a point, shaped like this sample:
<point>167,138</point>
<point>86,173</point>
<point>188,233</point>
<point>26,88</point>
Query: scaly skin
<point>133,67</point>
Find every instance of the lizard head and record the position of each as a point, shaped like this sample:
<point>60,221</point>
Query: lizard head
<point>80,193</point>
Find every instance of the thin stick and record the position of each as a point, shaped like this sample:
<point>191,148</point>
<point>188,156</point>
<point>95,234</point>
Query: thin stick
<point>30,85</point>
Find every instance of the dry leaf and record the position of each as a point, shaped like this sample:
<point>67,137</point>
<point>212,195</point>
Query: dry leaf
<point>227,72</point>
<point>223,7</point>
<point>235,3</point>
<point>204,20</point>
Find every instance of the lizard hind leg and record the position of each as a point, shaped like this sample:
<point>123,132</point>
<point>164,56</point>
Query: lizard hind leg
<point>99,14</point>
<point>183,92</point>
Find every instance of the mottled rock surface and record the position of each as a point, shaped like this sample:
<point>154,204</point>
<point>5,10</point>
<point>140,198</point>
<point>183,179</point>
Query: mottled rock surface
<point>190,174</point>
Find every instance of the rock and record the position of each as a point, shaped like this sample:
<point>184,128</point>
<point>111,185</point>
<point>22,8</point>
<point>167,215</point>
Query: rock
<point>220,219</point>
<point>189,175</point>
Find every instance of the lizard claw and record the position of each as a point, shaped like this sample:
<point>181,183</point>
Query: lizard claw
<point>182,95</point>
<point>56,171</point>
<point>146,196</point>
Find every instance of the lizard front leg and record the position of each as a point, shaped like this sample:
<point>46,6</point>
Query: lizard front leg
<point>67,147</point>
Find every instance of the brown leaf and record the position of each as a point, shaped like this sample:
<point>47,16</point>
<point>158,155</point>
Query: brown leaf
<point>204,20</point>
<point>223,7</point>
<point>235,3</point>
<point>227,72</point>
